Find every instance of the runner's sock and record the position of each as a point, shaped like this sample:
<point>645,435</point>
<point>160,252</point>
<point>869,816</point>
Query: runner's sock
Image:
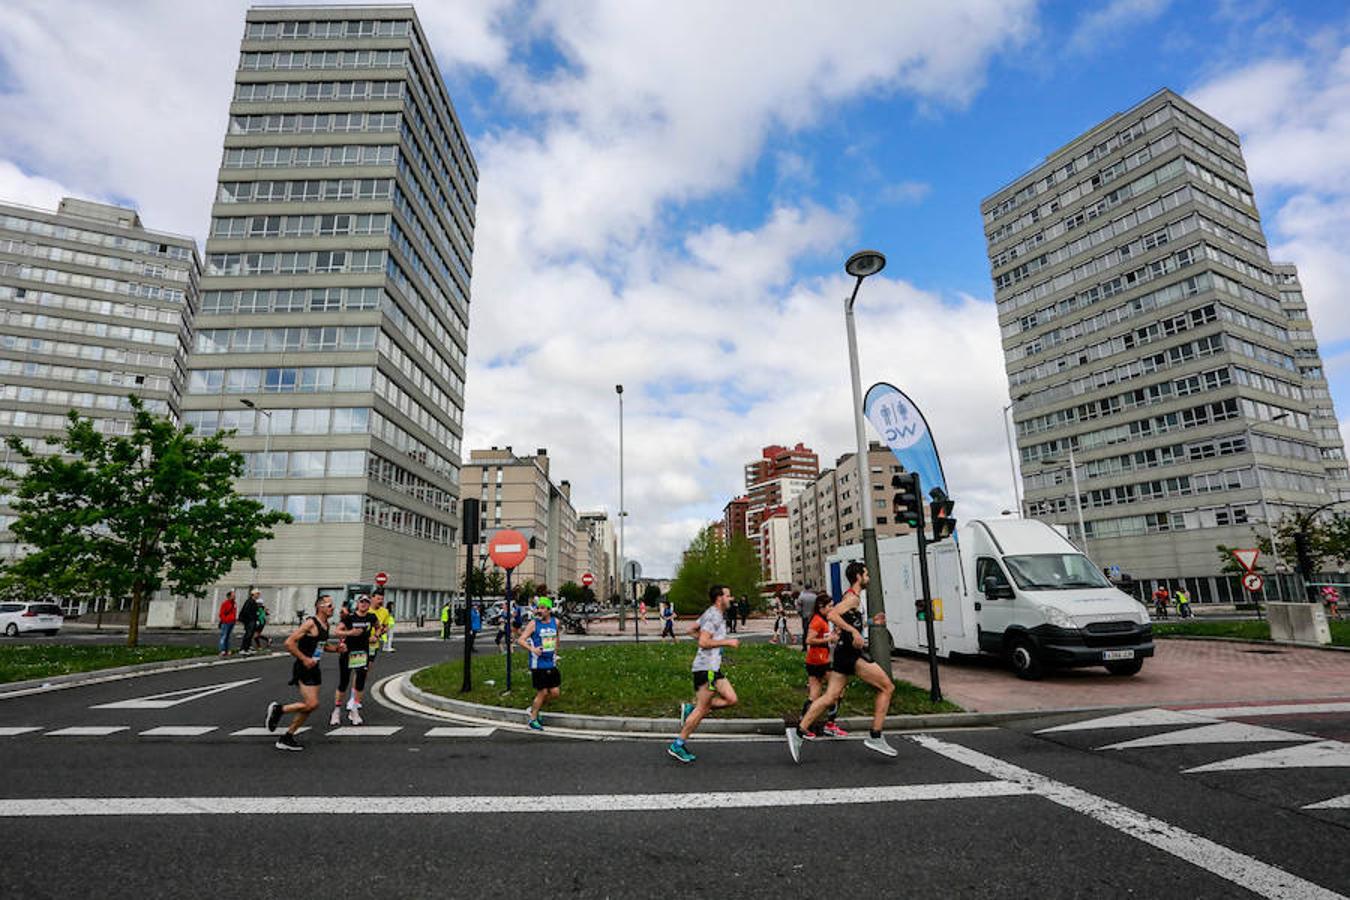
<point>875,734</point>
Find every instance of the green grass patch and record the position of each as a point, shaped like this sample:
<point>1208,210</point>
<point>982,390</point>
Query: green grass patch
<point>20,662</point>
<point>1247,630</point>
<point>651,680</point>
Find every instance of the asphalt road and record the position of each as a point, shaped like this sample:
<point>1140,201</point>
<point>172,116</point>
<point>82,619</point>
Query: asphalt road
<point>1010,812</point>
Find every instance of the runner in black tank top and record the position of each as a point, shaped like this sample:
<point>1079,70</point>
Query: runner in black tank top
<point>306,644</point>
<point>850,659</point>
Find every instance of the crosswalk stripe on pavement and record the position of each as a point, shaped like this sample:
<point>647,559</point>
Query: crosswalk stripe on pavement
<point>365,731</point>
<point>9,730</point>
<point>179,731</point>
<point>88,731</point>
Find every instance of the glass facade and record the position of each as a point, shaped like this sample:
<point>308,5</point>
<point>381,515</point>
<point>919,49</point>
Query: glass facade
<point>1147,333</point>
<point>335,296</point>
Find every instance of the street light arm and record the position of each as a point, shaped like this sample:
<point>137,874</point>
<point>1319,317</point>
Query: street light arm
<point>848,305</point>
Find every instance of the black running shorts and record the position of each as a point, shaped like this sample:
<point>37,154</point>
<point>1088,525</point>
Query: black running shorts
<point>706,679</point>
<point>543,679</point>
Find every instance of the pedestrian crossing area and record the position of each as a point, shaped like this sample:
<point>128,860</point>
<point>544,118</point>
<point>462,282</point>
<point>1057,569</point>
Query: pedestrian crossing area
<point>1247,739</point>
<point>200,731</point>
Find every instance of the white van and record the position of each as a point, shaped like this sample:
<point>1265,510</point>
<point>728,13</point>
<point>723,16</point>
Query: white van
<point>1012,587</point>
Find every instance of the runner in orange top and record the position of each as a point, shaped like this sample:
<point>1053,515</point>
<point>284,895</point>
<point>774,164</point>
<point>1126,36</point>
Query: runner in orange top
<point>820,639</point>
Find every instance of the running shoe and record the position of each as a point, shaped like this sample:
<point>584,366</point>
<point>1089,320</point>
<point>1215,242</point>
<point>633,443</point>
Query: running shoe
<point>355,717</point>
<point>794,741</point>
<point>879,745</point>
<point>287,741</point>
<point>681,752</point>
<point>685,710</point>
<point>336,718</point>
<point>834,730</point>
<point>273,716</point>
<point>535,725</point>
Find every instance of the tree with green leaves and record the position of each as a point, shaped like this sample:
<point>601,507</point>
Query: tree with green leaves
<point>652,595</point>
<point>571,592</point>
<point>111,517</point>
<point>709,561</point>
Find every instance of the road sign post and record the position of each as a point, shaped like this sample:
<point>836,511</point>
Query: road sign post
<point>508,549</point>
<point>471,510</point>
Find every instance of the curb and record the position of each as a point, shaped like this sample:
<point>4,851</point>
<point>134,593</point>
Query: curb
<point>1305,645</point>
<point>119,673</point>
<point>636,725</point>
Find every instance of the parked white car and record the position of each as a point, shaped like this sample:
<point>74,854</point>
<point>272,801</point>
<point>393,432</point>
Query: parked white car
<point>18,618</point>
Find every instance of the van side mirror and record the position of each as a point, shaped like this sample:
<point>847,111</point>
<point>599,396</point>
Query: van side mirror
<point>995,590</point>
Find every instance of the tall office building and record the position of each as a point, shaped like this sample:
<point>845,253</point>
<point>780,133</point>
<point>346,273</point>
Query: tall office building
<point>335,304</point>
<point>1148,336</point>
<point>95,308</point>
<point>518,492</point>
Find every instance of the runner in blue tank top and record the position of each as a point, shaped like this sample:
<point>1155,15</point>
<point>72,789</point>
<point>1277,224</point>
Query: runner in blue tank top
<point>540,638</point>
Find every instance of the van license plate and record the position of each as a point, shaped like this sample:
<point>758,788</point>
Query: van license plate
<point>1110,655</point>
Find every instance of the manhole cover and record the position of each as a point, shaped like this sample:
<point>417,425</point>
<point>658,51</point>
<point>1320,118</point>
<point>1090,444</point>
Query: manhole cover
<point>1265,652</point>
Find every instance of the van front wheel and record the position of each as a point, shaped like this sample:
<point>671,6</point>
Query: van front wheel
<point>1125,667</point>
<point>1022,658</point>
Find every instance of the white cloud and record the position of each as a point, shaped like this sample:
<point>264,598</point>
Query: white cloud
<point>1106,24</point>
<point>581,279</point>
<point>17,186</point>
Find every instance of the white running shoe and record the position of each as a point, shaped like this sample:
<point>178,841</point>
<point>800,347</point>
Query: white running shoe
<point>879,745</point>
<point>794,741</point>
<point>355,717</point>
<point>336,718</point>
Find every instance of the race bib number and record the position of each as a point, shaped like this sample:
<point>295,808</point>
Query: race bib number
<point>548,643</point>
<point>357,659</point>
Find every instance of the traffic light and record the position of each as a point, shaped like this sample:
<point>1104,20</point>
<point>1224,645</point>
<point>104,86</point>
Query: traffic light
<point>920,608</point>
<point>906,504</point>
<point>469,507</point>
<point>941,514</point>
<point>1303,551</point>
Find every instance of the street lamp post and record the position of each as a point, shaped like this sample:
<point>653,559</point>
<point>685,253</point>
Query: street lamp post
<point>860,265</point>
<point>623,590</point>
<point>1077,499</point>
<point>1265,510</point>
<point>1012,459</point>
<point>267,444</point>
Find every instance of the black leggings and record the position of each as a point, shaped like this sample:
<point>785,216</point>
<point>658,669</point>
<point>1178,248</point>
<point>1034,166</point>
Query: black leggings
<point>345,675</point>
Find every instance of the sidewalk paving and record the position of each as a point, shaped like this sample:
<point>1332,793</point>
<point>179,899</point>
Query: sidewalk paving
<point>1192,671</point>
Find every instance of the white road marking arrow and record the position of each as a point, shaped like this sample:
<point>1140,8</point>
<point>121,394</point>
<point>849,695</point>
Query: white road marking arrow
<point>174,698</point>
<point>1321,755</point>
<point>1222,733</point>
<point>1137,719</point>
<point>1342,802</point>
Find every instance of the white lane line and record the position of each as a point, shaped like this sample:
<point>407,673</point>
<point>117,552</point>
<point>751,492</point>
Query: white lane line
<point>1222,733</point>
<point>446,731</point>
<point>1278,709</point>
<point>174,698</point>
<point>179,731</point>
<point>1244,871</point>
<point>1137,719</point>
<point>88,731</point>
<point>1342,802</point>
<point>259,731</point>
<point>365,731</point>
<point>1321,755</point>
<point>11,730</point>
<point>551,803</point>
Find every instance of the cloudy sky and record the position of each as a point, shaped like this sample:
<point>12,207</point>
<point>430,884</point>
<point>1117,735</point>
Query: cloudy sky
<point>668,192</point>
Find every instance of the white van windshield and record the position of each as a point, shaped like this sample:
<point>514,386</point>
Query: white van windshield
<point>1055,572</point>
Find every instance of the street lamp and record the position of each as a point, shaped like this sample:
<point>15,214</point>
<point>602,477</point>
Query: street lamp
<point>623,588</point>
<point>1265,509</point>
<point>860,265</point>
<point>1012,460</point>
<point>1077,500</point>
<point>267,444</point>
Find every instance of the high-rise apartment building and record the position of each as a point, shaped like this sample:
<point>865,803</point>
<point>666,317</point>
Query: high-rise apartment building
<point>517,492</point>
<point>827,515</point>
<point>779,474</point>
<point>335,304</point>
<point>734,517</point>
<point>604,552</point>
<point>95,308</point>
<point>1149,337</point>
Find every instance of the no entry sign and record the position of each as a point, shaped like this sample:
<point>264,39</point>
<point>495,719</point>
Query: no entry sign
<point>381,579</point>
<point>508,548</point>
<point>587,580</point>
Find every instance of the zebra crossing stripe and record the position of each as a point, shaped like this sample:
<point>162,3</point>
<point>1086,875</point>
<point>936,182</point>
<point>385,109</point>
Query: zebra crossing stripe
<point>459,732</point>
<point>88,731</point>
<point>10,730</point>
<point>365,731</point>
<point>259,731</point>
<point>179,731</point>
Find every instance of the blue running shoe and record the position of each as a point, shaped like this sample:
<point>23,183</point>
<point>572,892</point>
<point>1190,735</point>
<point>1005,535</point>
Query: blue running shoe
<point>681,752</point>
<point>535,725</point>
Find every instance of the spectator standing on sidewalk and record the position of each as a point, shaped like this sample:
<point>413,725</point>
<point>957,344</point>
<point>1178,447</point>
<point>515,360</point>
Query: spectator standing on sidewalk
<point>248,620</point>
<point>475,624</point>
<point>729,614</point>
<point>744,608</point>
<point>806,604</point>
<point>226,618</point>
<point>1183,604</point>
<point>445,621</point>
<point>1160,597</point>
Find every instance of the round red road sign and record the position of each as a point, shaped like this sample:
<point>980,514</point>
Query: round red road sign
<point>508,548</point>
<point>587,580</point>
<point>381,579</point>
<point>1253,581</point>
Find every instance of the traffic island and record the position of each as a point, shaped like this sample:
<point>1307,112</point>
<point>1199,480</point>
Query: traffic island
<point>1243,630</point>
<point>639,688</point>
<point>27,662</point>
